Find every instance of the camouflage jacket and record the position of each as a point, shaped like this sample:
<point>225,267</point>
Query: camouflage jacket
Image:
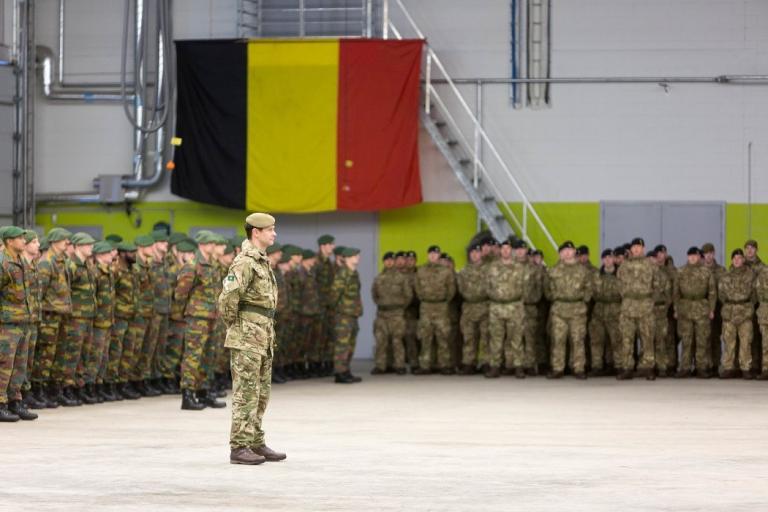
<point>34,297</point>
<point>324,270</point>
<point>196,288</point>
<point>310,294</point>
<point>249,282</point>
<point>506,282</point>
<point>282,297</point>
<point>145,290</point>
<point>163,292</point>
<point>435,283</point>
<point>639,278</point>
<point>14,308</point>
<point>736,290</point>
<point>294,282</point>
<point>761,294</point>
<point>606,287</point>
<point>54,283</point>
<point>535,289</point>
<point>345,293</point>
<point>125,290</point>
<point>391,290</point>
<point>662,295</point>
<point>716,269</point>
<point>472,283</point>
<point>755,264</point>
<point>105,297</point>
<point>177,307</point>
<point>695,293</point>
<point>83,286</point>
<point>568,286</point>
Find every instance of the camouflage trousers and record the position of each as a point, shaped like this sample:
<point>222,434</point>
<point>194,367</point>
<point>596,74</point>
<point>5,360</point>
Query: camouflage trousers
<point>14,351</point>
<point>389,330</point>
<point>505,325</point>
<point>95,355</point>
<point>474,328</point>
<point>251,387</point>
<point>174,349</point>
<point>531,333</point>
<point>565,329</point>
<point>196,338</point>
<point>411,339</point>
<point>148,348</point>
<point>661,337</point>
<point>130,369</point>
<point>283,324</point>
<point>211,351</point>
<point>716,338</point>
<point>434,331</point>
<point>326,343</point>
<point>32,334</point>
<point>345,338</point>
<point>542,335</point>
<point>604,337</point>
<point>161,346</point>
<point>116,340</point>
<point>50,332</point>
<point>694,334</point>
<point>222,354</point>
<point>637,320</point>
<point>737,333</point>
<point>67,367</point>
<point>309,333</point>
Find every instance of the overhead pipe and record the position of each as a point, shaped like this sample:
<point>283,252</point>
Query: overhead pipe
<point>719,79</point>
<point>79,197</point>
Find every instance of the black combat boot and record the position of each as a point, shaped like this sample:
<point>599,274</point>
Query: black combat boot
<point>67,398</point>
<point>105,392</point>
<point>85,395</point>
<point>95,392</point>
<point>343,378</point>
<point>31,401</point>
<point>129,392</point>
<point>150,389</point>
<point>208,399</point>
<point>39,393</point>
<point>7,416</point>
<point>189,402</point>
<point>52,396</point>
<point>17,407</point>
<point>112,388</point>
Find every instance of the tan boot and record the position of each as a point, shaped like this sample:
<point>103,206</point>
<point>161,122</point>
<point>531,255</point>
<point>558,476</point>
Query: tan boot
<point>269,454</point>
<point>245,456</point>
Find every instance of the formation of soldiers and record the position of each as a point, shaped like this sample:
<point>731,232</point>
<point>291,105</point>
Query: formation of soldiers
<point>506,313</point>
<point>85,321</point>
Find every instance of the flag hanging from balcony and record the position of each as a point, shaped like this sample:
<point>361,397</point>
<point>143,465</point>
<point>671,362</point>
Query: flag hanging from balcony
<point>298,126</point>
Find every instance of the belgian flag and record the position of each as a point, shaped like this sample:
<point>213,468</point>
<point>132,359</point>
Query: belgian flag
<point>298,126</point>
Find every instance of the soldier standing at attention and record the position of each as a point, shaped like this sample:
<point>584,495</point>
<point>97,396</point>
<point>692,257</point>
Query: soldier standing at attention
<point>126,304</point>
<point>157,333</point>
<point>96,356</point>
<point>311,317</point>
<point>604,325</point>
<point>669,270</point>
<point>325,270</point>
<point>181,250</point>
<point>715,335</point>
<point>569,288</point>
<point>662,300</point>
<point>761,292</point>
<point>412,347</point>
<point>345,294</point>
<point>435,286</point>
<point>694,295</point>
<point>247,304</point>
<point>473,288</point>
<point>735,290</point>
<point>534,292</point>
<point>759,355</point>
<point>294,281</point>
<point>136,347</point>
<point>30,256</point>
<point>391,292</point>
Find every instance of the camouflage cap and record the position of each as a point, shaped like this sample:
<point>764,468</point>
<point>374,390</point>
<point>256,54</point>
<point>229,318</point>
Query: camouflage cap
<point>236,241</point>
<point>260,220</point>
<point>582,250</point>
<point>176,237</point>
<point>272,249</point>
<point>325,239</point>
<point>144,241</point>
<point>58,234</point>
<point>82,239</point>
<point>186,246</point>
<point>350,251</point>
<point>476,247</point>
<point>159,236</point>
<point>400,254</point>
<point>126,247</point>
<point>292,250</point>
<point>338,250</point>
<point>102,247</point>
<point>308,254</point>
<point>753,243</point>
<point>30,234</point>
<point>637,241</point>
<point>519,244</point>
<point>113,238</point>
<point>707,248</point>
<point>660,248</point>
<point>411,254</point>
<point>11,232</point>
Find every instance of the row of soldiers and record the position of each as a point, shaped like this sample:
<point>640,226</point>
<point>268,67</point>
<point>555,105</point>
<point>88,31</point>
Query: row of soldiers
<point>635,315</point>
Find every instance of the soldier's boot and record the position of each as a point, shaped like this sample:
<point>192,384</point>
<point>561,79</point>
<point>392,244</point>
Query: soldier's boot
<point>762,376</point>
<point>596,372</point>
<point>301,371</point>
<point>7,416</point>
<point>96,393</point>
<point>66,398</point>
<point>31,401</point>
<point>682,374</point>
<point>51,396</point>
<point>245,456</point>
<point>112,388</point>
<point>493,372</point>
<point>269,454</point>
<point>354,378</point>
<point>531,372</point>
<point>703,374</point>
<point>508,371</point>
<point>85,394</point>
<point>288,372</point>
<point>159,384</point>
<point>128,392</point>
<point>581,375</point>
<point>106,393</point>
<point>208,399</point>
<point>625,375</point>
<point>728,374</point>
<point>519,372</point>
<point>747,375</point>
<point>467,369</point>
<point>150,389</point>
<point>317,370</point>
<point>447,371</point>
<point>344,378</point>
<point>17,407</point>
<point>189,401</point>
<point>328,369</point>
<point>378,371</point>
<point>553,375</point>
<point>401,371</point>
<point>277,378</point>
<point>39,393</point>
<point>422,371</point>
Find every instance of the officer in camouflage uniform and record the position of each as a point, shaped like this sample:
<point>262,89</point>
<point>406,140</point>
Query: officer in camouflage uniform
<point>14,325</point>
<point>348,305</point>
<point>568,286</point>
<point>604,334</point>
<point>716,333</point>
<point>184,252</point>
<point>694,298</point>
<point>472,286</point>
<point>761,295</point>
<point>136,355</point>
<point>325,270</point>
<point>96,355</point>
<point>247,304</point>
<point>435,286</point>
<point>30,256</point>
<point>392,293</point>
<point>506,281</point>
<point>157,332</point>
<point>126,307</point>
<point>662,300</point>
<point>736,291</point>
<point>57,306</point>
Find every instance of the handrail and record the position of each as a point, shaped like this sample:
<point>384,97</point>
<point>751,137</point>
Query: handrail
<point>430,91</point>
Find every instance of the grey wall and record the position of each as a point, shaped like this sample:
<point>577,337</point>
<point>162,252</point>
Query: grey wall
<point>7,127</point>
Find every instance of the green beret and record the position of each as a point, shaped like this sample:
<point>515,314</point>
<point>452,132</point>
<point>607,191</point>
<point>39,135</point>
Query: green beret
<point>350,251</point>
<point>2,230</point>
<point>205,237</point>
<point>175,238</point>
<point>30,234</point>
<point>260,220</point>
<point>229,249</point>
<point>236,241</point>
<point>82,239</point>
<point>102,247</point>
<point>44,243</point>
<point>308,254</point>
<point>291,250</point>
<point>144,241</point>
<point>339,250</point>
<point>58,234</point>
<point>113,238</point>
<point>126,247</point>
<point>285,258</point>
<point>159,236</point>
<point>186,246</point>
<point>220,239</point>
<point>325,239</point>
<point>272,249</point>
<point>12,232</point>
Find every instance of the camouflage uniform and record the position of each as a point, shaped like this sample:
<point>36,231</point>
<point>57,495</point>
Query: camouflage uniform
<point>57,306</point>
<point>532,299</point>
<point>473,287</point>
<point>294,285</point>
<point>176,326</point>
<point>247,304</point>
<point>215,346</point>
<point>135,355</point>
<point>639,279</point>
<point>392,293</point>
<point>283,320</point>
<point>604,336</point>
<point>671,273</point>
<point>221,365</point>
<point>35,315</point>
<point>196,288</point>
<point>310,322</point>
<point>569,288</point>
<point>14,325</point>
<point>324,272</point>
<point>125,310</point>
<point>506,283</point>
<point>97,357</point>
<point>662,300</point>
<point>411,337</point>
<point>716,333</point>
<point>435,286</point>
<point>345,294</point>
<point>761,293</point>
<point>735,290</point>
<point>759,352</point>
<point>694,299</point>
<point>157,333</point>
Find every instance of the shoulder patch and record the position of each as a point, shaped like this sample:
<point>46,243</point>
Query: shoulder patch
<point>230,277</point>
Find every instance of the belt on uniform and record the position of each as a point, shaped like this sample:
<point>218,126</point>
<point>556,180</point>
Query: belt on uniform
<point>391,308</point>
<point>506,301</point>
<point>738,301</point>
<point>252,308</point>
<point>569,301</point>
<point>434,301</point>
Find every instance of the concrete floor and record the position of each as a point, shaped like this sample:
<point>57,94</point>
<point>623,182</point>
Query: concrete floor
<point>410,443</point>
